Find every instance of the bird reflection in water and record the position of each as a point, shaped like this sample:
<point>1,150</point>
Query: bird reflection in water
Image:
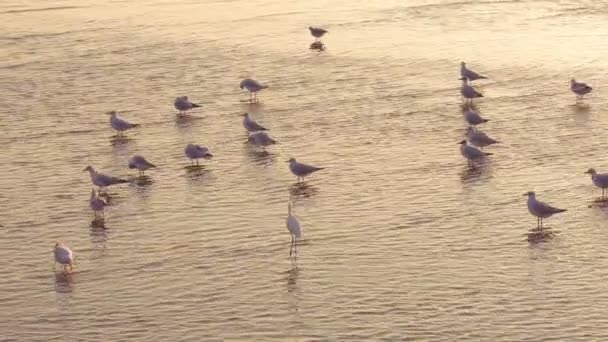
<point>143,181</point>
<point>260,157</point>
<point>474,172</point>
<point>539,235</point>
<point>292,277</point>
<point>118,141</point>
<point>184,122</point>
<point>317,46</point>
<point>63,282</point>
<point>302,189</point>
<point>196,173</point>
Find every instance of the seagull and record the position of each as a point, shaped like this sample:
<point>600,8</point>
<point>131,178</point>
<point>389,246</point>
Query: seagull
<point>472,118</point>
<point>317,32</point>
<point>467,74</point>
<point>479,138</point>
<point>194,152</point>
<point>183,104</point>
<point>472,153</point>
<point>261,139</point>
<point>64,256</point>
<point>600,180</point>
<point>252,87</point>
<point>97,203</point>
<point>579,88</point>
<point>140,163</point>
<point>102,180</point>
<point>119,124</point>
<point>302,170</point>
<point>251,125</point>
<point>539,209</point>
<point>293,226</point>
<point>468,92</point>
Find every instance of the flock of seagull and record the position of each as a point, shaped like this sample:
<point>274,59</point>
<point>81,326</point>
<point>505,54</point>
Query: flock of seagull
<point>471,149</point>
<point>476,140</point>
<point>256,135</point>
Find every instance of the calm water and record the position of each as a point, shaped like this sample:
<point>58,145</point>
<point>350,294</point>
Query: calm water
<point>402,241</point>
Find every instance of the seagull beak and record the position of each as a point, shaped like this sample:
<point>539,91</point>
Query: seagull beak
<point>526,194</point>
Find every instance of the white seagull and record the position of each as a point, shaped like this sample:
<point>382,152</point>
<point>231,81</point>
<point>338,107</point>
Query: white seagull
<point>467,74</point>
<point>600,180</point>
<point>183,104</point>
<point>120,125</point>
<point>252,87</point>
<point>539,209</point>
<point>293,226</point>
<point>251,125</point>
<point>64,256</point>
<point>140,163</point>
<point>469,93</point>
<point>97,204</point>
<point>261,139</point>
<point>194,152</point>
<point>317,32</point>
<point>473,118</point>
<point>579,88</point>
<point>102,180</point>
<point>472,153</point>
<point>302,170</point>
<point>479,138</point>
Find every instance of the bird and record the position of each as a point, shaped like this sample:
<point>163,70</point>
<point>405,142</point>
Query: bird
<point>140,163</point>
<point>252,87</point>
<point>97,204</point>
<point>120,125</point>
<point>261,139</point>
<point>293,226</point>
<point>472,153</point>
<point>317,32</point>
<point>64,256</point>
<point>579,88</point>
<point>302,170</point>
<point>600,180</point>
<point>539,209</point>
<point>251,125</point>
<point>469,75</point>
<point>194,152</point>
<point>102,180</point>
<point>183,104</point>
<point>479,138</point>
<point>473,118</point>
<point>468,92</point>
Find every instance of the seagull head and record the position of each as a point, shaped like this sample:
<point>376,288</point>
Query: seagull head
<point>572,81</point>
<point>112,112</point>
<point>88,168</point>
<point>245,114</point>
<point>463,64</point>
<point>462,142</point>
<point>591,171</point>
<point>291,160</point>
<point>530,194</point>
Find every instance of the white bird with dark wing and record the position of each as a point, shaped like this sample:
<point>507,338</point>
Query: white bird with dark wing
<point>261,139</point>
<point>293,226</point>
<point>251,125</point>
<point>195,152</point>
<point>101,180</point>
<point>302,170</point>
<point>97,204</point>
<point>471,153</point>
<point>469,75</point>
<point>473,118</point>
<point>579,88</point>
<point>64,256</point>
<point>479,138</point>
<point>469,93</point>
<point>140,163</point>
<point>539,209</point>
<point>253,87</point>
<point>120,125</point>
<point>183,104</point>
<point>600,180</point>
<point>317,32</point>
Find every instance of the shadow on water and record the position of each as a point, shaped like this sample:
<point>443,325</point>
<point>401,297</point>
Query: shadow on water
<point>260,156</point>
<point>317,46</point>
<point>302,189</point>
<point>63,282</point>
<point>142,181</point>
<point>196,173</point>
<point>537,235</point>
<point>292,277</point>
<point>184,122</point>
<point>99,232</point>
<point>120,141</point>
<point>475,171</point>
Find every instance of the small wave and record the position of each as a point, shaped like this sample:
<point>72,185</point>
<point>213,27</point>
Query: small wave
<point>41,9</point>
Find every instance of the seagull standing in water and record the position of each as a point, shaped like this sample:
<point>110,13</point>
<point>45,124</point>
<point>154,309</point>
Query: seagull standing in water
<point>539,209</point>
<point>64,256</point>
<point>600,180</point>
<point>184,105</point>
<point>251,125</point>
<point>101,180</point>
<point>469,93</point>
<point>252,86</point>
<point>97,204</point>
<point>302,170</point>
<point>195,152</point>
<point>293,226</point>
<point>261,139</point>
<point>479,138</point>
<point>469,75</point>
<point>140,163</point>
<point>472,153</point>
<point>473,118</point>
<point>317,32</point>
<point>579,88</point>
<point>120,125</point>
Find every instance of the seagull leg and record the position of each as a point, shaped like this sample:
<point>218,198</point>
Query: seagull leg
<point>291,246</point>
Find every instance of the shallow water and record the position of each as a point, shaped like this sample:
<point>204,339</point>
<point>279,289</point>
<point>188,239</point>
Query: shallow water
<point>402,240</point>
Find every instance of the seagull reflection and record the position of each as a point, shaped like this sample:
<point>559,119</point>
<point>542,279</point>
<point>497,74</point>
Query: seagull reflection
<point>63,282</point>
<point>260,157</point>
<point>317,46</point>
<point>302,189</point>
<point>537,235</point>
<point>118,141</point>
<point>196,172</point>
<point>292,277</point>
<point>474,172</point>
<point>98,223</point>
<point>143,181</point>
